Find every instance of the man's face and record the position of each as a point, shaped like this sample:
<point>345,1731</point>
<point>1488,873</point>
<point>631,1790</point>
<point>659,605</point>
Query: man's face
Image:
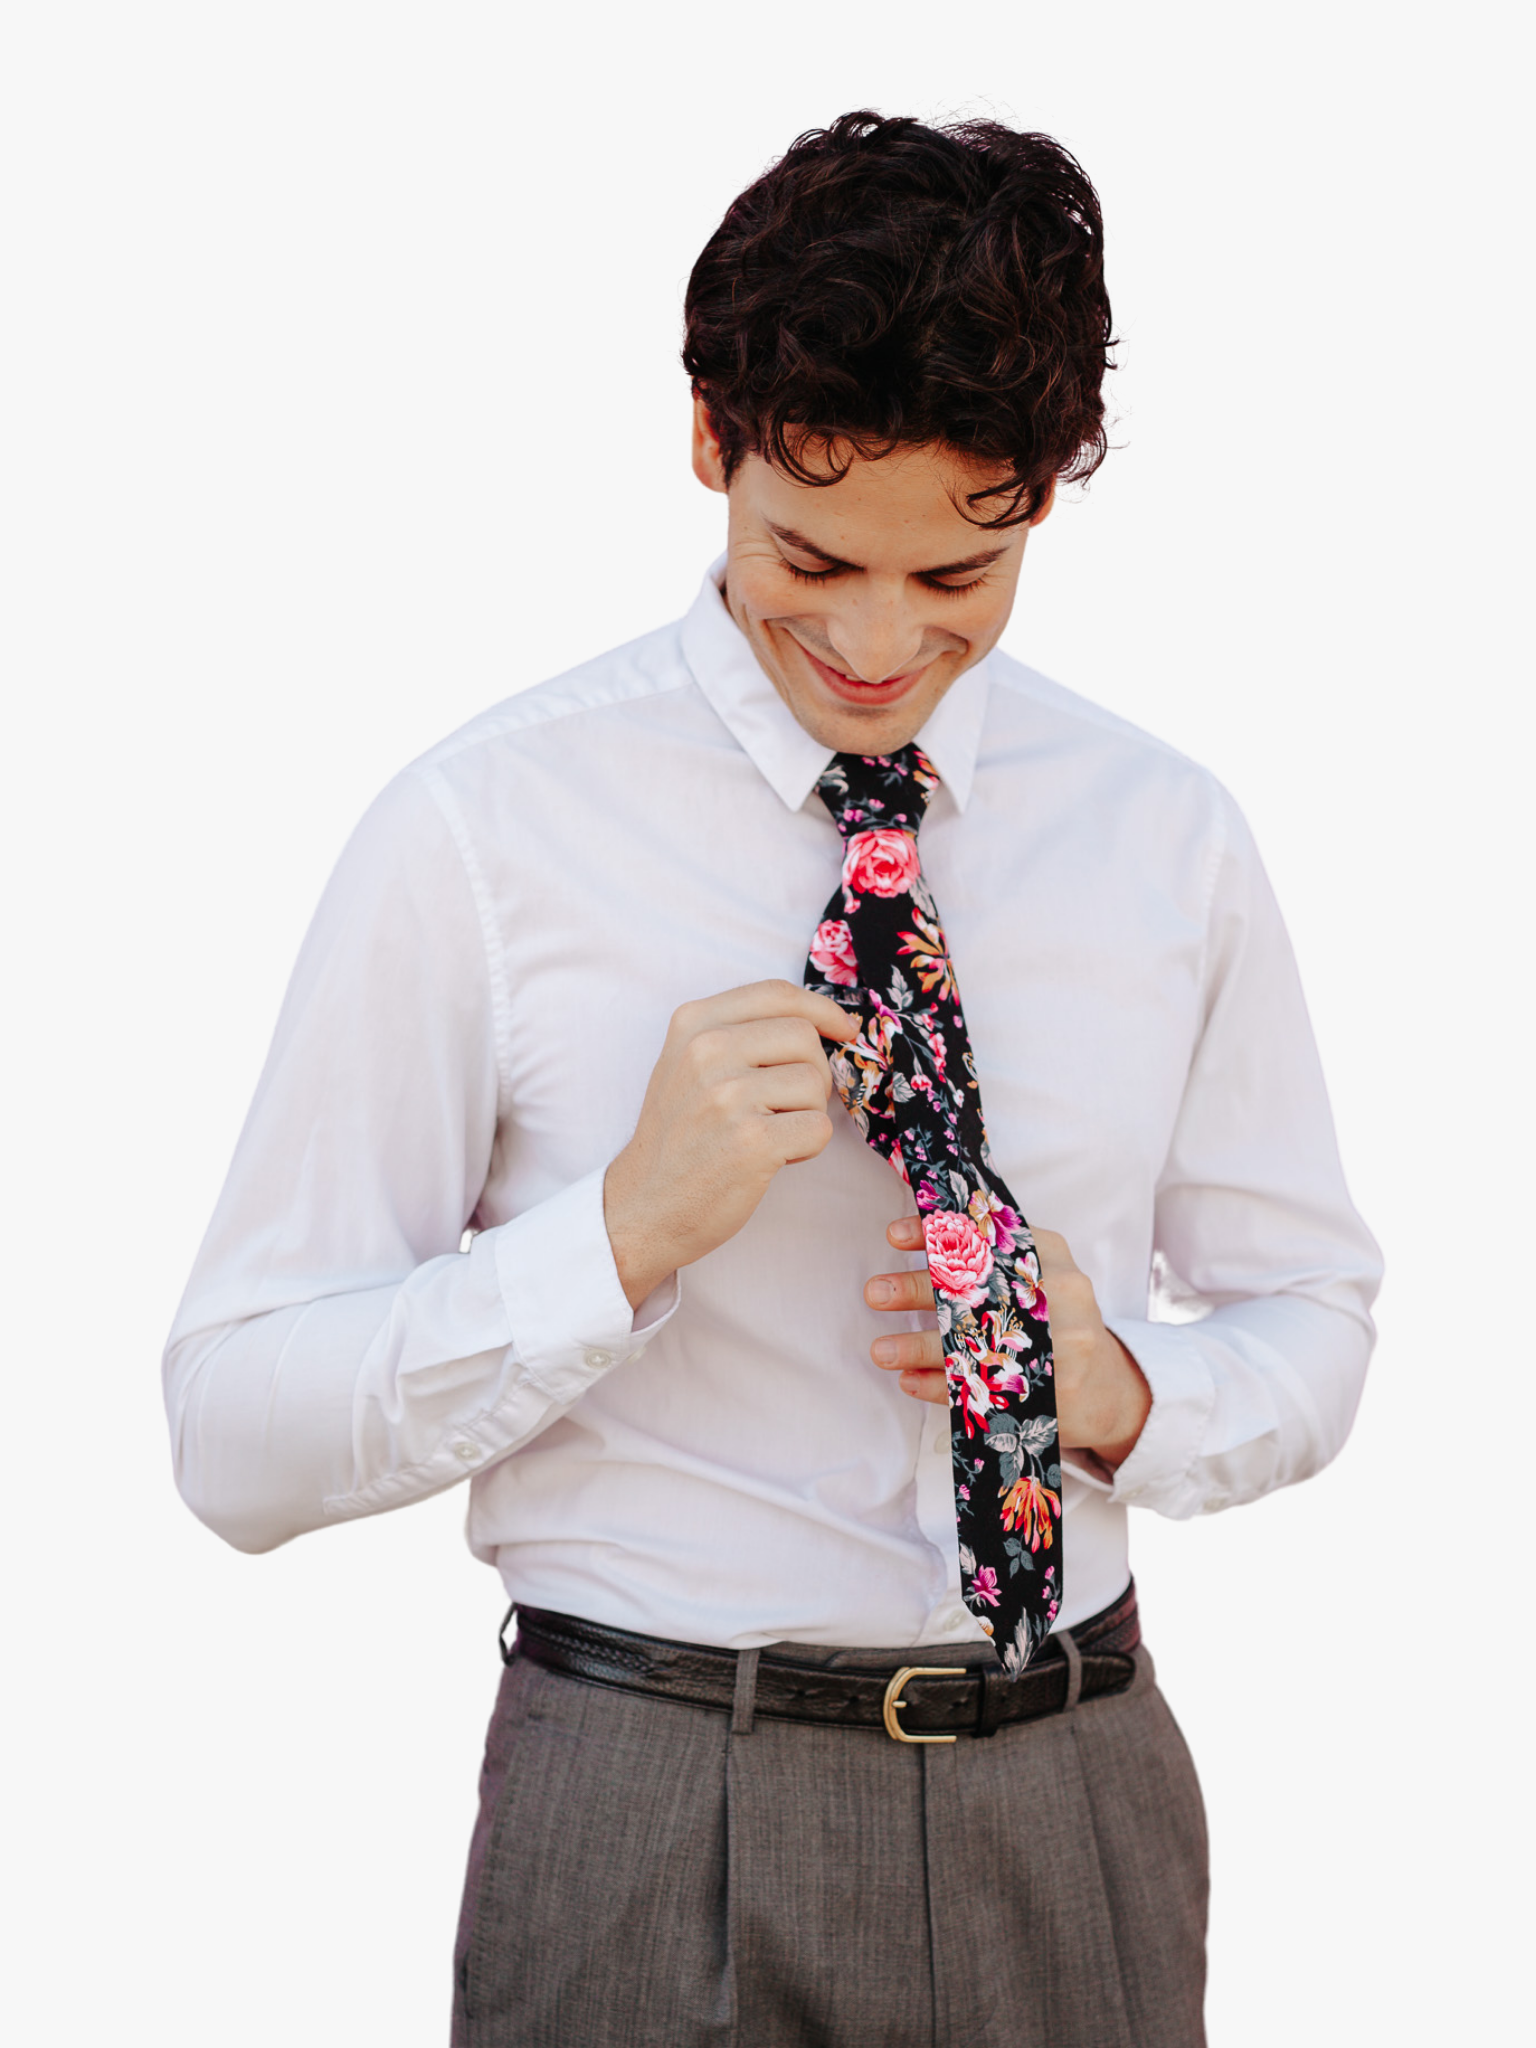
<point>864,599</point>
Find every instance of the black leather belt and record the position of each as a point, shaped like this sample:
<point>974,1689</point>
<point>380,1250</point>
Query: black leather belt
<point>912,1702</point>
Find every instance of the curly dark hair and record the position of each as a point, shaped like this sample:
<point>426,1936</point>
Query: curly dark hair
<point>886,283</point>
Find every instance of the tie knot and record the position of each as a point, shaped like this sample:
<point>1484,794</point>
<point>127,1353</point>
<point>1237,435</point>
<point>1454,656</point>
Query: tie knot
<point>868,792</point>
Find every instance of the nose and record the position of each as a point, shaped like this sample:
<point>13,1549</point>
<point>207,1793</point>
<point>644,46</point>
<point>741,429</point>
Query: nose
<point>875,636</point>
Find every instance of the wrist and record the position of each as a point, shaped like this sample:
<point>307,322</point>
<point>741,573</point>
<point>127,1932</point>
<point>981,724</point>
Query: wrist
<point>640,1262</point>
<point>1132,1408</point>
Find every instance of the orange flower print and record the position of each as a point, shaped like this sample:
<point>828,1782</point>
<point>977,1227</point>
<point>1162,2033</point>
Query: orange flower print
<point>1028,1506</point>
<point>929,955</point>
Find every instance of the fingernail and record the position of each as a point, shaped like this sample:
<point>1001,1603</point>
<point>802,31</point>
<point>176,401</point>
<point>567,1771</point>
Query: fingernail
<point>886,1351</point>
<point>881,1290</point>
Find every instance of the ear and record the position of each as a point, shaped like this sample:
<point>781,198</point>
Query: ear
<point>708,462</point>
<point>1046,504</point>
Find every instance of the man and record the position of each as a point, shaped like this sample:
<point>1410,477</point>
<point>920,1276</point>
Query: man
<point>740,1467</point>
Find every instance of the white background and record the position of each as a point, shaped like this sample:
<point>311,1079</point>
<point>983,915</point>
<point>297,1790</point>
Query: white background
<point>340,398</point>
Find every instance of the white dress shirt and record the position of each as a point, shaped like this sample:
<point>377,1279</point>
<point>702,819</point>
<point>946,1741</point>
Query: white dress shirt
<point>467,1038</point>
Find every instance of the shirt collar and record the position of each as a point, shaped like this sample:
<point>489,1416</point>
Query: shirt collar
<point>783,752</point>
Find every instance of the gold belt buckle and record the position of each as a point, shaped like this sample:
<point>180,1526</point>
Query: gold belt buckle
<point>894,1703</point>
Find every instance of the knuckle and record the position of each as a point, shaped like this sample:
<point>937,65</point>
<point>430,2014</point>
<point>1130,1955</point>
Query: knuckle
<point>704,1048</point>
<point>721,1097</point>
<point>755,1146</point>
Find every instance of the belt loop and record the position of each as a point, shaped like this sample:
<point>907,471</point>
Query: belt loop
<point>1074,1658</point>
<point>744,1706</point>
<point>501,1635</point>
<point>995,1689</point>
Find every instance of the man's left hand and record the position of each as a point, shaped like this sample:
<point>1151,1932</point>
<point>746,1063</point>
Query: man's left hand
<point>1102,1397</point>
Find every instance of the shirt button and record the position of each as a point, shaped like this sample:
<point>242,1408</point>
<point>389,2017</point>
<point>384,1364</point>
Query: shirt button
<point>598,1359</point>
<point>470,1453</point>
<point>940,1446</point>
<point>957,1617</point>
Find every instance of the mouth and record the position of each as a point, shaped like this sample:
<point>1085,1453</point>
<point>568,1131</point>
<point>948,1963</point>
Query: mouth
<point>849,689</point>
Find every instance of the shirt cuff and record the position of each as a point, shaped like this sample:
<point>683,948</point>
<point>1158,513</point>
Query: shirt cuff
<point>570,1317</point>
<point>1159,1472</point>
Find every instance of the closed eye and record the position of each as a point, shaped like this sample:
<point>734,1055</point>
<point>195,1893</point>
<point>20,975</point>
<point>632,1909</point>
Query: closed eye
<point>928,582</point>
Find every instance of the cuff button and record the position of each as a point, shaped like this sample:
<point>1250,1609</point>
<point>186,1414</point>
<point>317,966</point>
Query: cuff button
<point>598,1359</point>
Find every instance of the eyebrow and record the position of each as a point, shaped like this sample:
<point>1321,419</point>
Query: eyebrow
<point>793,539</point>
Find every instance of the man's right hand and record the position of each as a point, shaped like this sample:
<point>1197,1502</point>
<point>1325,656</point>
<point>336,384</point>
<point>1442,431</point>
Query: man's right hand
<point>740,1090</point>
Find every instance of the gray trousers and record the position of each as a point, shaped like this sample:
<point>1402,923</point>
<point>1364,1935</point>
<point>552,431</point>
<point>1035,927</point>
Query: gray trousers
<point>644,1876</point>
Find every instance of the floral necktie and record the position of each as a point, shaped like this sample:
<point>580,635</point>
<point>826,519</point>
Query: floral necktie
<point>909,1082</point>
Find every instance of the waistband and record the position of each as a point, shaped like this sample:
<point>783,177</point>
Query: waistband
<point>912,1700</point>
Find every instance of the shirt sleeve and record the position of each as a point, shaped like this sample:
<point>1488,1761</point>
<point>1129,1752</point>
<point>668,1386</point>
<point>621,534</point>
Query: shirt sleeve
<point>1254,1223</point>
<point>335,1353</point>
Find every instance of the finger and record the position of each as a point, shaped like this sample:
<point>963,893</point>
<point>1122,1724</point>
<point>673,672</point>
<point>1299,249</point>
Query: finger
<point>735,1056</point>
<point>899,1290</point>
<point>768,1042</point>
<point>798,1134</point>
<point>796,1087</point>
<point>759,999</point>
<point>906,1234</point>
<point>926,1386</point>
<point>924,1348</point>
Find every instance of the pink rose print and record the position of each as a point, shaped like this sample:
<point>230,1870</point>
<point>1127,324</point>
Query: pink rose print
<point>880,863</point>
<point>959,1257</point>
<point>832,953</point>
<point>984,1585</point>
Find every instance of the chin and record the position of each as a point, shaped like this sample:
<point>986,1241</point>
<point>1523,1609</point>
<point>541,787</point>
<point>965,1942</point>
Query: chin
<point>847,730</point>
<point>870,736</point>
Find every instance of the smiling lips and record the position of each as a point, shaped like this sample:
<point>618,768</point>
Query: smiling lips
<point>852,691</point>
